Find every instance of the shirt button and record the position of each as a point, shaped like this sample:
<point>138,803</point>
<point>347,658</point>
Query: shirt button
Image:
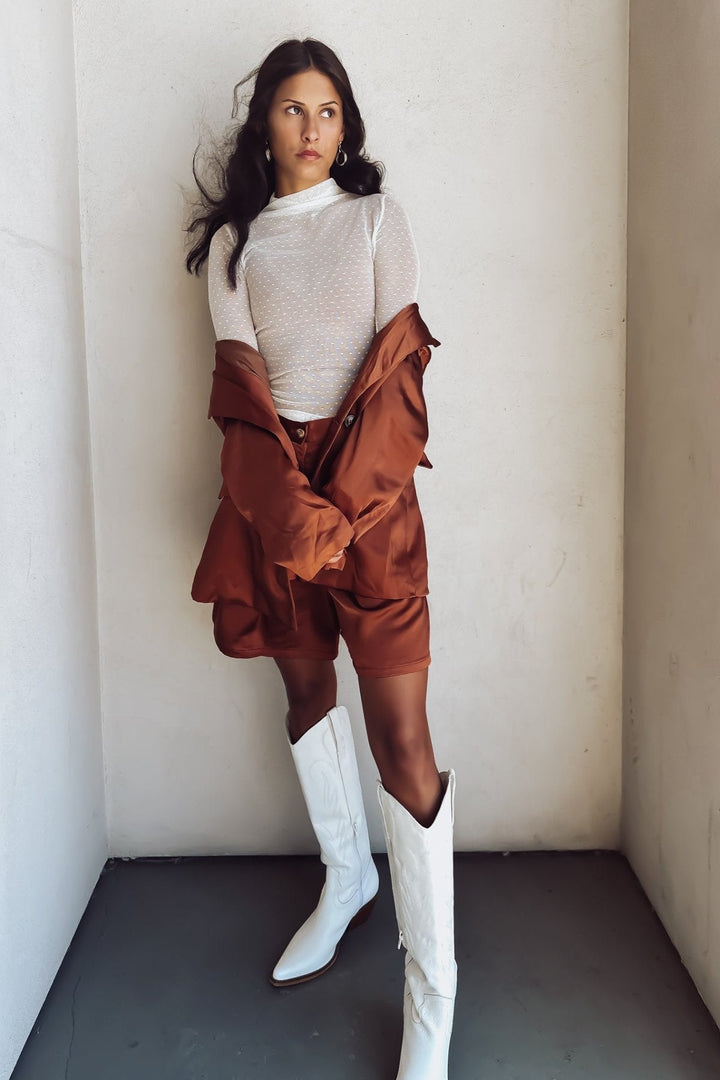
<point>349,419</point>
<point>300,432</point>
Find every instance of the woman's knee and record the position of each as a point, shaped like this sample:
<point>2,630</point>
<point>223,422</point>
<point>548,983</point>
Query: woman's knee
<point>311,687</point>
<point>407,747</point>
<point>397,724</point>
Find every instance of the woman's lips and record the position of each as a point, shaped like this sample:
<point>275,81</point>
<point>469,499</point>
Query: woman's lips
<point>309,154</point>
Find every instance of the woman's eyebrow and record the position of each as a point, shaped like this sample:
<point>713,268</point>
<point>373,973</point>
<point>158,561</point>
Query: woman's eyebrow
<point>302,102</point>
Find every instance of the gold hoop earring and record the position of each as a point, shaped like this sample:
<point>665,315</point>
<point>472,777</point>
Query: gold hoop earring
<point>339,152</point>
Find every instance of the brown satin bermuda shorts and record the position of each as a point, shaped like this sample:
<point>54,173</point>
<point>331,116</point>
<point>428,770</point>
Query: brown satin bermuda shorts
<point>384,637</point>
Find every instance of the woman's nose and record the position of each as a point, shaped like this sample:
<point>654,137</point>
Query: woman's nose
<point>310,130</point>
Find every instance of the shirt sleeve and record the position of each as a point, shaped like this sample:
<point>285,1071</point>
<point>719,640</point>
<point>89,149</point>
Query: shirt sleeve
<point>397,267</point>
<point>229,308</point>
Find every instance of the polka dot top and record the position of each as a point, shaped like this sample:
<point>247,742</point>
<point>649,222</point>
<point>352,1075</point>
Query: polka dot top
<point>322,271</point>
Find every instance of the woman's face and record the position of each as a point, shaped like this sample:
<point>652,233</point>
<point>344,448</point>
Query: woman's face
<point>305,125</point>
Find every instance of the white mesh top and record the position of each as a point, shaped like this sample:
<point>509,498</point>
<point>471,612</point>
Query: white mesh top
<point>321,272</point>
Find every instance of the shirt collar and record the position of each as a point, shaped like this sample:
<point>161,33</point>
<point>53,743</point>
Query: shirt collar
<point>309,198</point>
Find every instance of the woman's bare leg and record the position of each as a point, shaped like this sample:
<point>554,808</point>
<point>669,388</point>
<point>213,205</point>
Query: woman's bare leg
<point>311,687</point>
<point>400,742</point>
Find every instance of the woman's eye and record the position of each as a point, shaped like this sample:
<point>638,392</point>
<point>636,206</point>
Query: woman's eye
<point>325,112</point>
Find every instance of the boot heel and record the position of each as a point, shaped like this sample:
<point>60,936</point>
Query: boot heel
<point>363,914</point>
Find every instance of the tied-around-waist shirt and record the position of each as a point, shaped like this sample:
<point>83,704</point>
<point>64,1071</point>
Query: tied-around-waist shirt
<point>321,272</point>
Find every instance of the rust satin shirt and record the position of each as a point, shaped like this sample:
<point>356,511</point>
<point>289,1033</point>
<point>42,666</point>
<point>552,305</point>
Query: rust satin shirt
<point>274,523</point>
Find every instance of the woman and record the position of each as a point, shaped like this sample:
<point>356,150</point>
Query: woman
<point>312,280</point>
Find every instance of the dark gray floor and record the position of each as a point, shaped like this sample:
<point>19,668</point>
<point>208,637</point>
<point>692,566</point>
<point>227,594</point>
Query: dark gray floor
<point>564,972</point>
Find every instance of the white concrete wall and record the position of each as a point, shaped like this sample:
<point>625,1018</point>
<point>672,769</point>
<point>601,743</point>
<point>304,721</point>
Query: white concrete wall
<point>52,828</point>
<point>512,166</point>
<point>671,820</point>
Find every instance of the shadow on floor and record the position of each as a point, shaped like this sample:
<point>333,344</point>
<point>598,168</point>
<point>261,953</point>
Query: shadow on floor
<point>564,973</point>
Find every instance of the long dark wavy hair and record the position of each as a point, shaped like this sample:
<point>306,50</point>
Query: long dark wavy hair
<point>241,175</point>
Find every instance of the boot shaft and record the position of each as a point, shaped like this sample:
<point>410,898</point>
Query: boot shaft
<point>421,871</point>
<point>327,771</point>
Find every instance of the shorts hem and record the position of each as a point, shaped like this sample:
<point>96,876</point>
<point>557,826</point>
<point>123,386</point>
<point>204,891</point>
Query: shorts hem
<point>396,669</point>
<point>279,654</point>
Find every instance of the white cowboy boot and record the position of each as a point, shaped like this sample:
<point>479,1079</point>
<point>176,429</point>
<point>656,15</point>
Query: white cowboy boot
<point>327,769</point>
<point>421,871</point>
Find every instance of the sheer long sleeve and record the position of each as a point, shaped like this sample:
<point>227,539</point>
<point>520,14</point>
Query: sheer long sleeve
<point>229,308</point>
<point>397,268</point>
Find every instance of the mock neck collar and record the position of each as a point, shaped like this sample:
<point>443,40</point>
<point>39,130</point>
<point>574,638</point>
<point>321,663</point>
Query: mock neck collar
<point>310,198</point>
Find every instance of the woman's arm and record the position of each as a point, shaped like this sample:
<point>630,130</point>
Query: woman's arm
<point>229,308</point>
<point>387,441</point>
<point>383,448</point>
<point>395,259</point>
<point>298,529</point>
